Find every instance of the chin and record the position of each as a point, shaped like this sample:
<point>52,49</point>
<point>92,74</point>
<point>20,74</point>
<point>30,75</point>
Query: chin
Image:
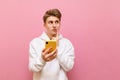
<point>53,34</point>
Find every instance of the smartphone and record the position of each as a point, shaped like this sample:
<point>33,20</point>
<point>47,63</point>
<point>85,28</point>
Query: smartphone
<point>52,44</point>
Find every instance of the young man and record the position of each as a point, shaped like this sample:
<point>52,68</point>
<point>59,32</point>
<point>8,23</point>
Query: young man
<point>54,65</point>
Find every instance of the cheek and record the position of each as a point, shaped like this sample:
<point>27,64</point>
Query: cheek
<point>48,26</point>
<point>58,26</point>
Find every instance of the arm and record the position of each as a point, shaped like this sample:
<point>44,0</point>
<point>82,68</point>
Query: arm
<point>36,63</point>
<point>66,59</point>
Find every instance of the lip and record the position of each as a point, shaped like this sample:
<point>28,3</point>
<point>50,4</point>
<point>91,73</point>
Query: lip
<point>55,30</point>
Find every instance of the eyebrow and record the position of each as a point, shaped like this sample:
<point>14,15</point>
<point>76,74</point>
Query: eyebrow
<point>53,21</point>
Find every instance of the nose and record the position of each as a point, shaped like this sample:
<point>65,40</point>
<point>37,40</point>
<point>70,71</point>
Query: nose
<point>54,25</point>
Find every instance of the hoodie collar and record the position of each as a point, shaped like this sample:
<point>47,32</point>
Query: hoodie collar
<point>45,37</point>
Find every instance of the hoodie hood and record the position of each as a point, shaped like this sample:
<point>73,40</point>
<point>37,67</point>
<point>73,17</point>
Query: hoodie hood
<point>45,37</point>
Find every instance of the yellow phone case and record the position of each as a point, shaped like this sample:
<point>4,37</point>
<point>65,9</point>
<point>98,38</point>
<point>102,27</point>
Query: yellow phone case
<point>52,44</point>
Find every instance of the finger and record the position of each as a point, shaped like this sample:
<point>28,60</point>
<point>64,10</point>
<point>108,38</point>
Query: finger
<point>51,57</point>
<point>47,50</point>
<point>52,53</point>
<point>55,50</point>
<point>43,50</point>
<point>45,53</point>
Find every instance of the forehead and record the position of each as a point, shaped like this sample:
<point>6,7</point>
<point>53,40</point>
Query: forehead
<point>52,18</point>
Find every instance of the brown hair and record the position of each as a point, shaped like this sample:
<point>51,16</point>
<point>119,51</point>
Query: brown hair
<point>52,12</point>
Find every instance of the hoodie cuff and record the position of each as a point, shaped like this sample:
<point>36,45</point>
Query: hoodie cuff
<point>40,60</point>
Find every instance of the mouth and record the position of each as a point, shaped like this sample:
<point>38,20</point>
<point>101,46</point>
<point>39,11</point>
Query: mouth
<point>55,30</point>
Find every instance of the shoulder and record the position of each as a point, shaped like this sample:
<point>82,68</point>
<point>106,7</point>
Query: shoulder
<point>66,41</point>
<point>65,44</point>
<point>35,40</point>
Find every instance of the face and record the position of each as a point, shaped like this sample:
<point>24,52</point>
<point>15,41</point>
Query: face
<point>52,25</point>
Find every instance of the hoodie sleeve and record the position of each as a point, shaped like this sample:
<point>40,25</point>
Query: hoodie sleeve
<point>66,58</point>
<point>36,63</point>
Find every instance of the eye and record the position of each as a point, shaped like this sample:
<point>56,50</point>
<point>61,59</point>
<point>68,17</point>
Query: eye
<point>50,22</point>
<point>57,22</point>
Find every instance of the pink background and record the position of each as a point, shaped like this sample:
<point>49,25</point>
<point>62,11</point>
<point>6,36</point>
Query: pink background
<point>93,26</point>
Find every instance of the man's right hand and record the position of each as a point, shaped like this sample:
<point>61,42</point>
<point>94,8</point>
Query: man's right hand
<point>47,55</point>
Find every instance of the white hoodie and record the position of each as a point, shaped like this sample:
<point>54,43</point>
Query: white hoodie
<point>55,69</point>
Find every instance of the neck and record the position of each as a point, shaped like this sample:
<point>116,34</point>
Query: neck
<point>51,36</point>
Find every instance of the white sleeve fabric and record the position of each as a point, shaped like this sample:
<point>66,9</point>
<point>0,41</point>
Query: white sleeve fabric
<point>66,59</point>
<point>36,63</point>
